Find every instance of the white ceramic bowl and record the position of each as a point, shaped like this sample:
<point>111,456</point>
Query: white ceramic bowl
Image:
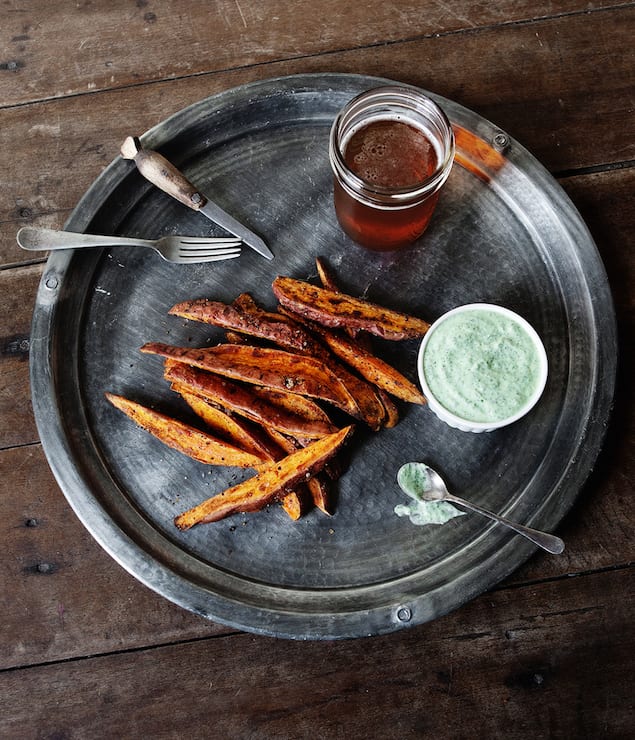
<point>468,425</point>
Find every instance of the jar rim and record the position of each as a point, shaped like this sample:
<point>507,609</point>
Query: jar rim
<point>412,102</point>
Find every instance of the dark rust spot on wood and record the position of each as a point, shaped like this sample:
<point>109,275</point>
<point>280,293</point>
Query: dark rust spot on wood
<point>13,65</point>
<point>17,345</point>
<point>42,568</point>
<point>528,680</point>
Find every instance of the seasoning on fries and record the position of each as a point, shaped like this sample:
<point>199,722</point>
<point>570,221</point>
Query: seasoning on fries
<point>280,394</point>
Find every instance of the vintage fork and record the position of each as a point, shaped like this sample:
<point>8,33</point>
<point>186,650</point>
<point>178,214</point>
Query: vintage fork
<point>182,249</point>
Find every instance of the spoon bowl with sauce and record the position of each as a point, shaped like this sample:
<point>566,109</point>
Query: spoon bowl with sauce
<point>423,483</point>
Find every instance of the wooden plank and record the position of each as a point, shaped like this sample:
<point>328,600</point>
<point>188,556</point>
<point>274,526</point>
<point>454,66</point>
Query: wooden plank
<point>62,596</point>
<point>553,660</point>
<point>17,297</point>
<point>602,199</point>
<point>60,50</point>
<point>549,112</point>
<point>10,254</point>
<point>534,81</point>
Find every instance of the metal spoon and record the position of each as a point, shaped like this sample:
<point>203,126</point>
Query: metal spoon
<point>436,490</point>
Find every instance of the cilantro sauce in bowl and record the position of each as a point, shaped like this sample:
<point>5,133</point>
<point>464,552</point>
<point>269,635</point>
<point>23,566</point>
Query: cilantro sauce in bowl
<point>481,367</point>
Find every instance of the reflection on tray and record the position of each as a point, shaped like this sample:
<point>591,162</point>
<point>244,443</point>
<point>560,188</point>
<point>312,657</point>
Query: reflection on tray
<point>475,154</point>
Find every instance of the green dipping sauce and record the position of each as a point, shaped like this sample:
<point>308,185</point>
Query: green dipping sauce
<point>481,365</point>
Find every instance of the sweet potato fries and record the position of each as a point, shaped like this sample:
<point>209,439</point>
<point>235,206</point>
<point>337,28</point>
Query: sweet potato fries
<point>271,482</point>
<point>338,310</point>
<point>280,394</point>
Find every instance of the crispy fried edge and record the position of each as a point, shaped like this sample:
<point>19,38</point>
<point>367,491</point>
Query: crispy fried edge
<point>270,483</point>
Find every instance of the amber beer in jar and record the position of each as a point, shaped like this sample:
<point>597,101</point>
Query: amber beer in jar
<point>391,150</point>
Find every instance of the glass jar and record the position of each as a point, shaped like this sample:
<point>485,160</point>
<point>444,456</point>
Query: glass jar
<point>391,149</point>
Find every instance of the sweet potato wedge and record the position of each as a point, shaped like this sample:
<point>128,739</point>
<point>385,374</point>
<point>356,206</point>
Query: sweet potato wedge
<point>294,503</point>
<point>273,368</point>
<point>247,437</point>
<point>318,487</point>
<point>392,412</point>
<point>326,276</point>
<point>267,485</point>
<point>182,437</point>
<point>246,303</point>
<point>328,281</point>
<point>295,404</point>
<point>339,310</point>
<point>297,337</point>
<point>247,401</point>
<point>247,318</point>
<point>232,429</point>
<point>371,367</point>
<point>234,337</point>
<point>320,494</point>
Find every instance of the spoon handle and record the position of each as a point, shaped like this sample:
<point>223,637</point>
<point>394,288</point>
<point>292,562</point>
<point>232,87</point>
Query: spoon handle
<point>548,542</point>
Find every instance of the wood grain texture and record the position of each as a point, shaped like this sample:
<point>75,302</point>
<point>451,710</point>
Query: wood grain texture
<point>17,298</point>
<point>515,663</point>
<point>62,596</point>
<point>60,50</point>
<point>10,254</point>
<point>603,201</point>
<point>534,80</point>
<point>87,651</point>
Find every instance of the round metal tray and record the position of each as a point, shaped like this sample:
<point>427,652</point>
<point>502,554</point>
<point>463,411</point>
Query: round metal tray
<point>504,232</point>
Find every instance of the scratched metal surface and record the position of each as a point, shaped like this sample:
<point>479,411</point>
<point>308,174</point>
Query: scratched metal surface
<point>503,234</point>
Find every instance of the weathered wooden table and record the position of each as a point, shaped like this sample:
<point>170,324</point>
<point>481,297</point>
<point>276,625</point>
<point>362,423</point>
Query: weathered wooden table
<point>86,650</point>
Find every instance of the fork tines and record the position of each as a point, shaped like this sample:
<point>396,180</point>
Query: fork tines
<point>198,249</point>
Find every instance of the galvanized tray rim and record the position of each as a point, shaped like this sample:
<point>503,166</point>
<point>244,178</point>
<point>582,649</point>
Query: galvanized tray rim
<point>302,622</point>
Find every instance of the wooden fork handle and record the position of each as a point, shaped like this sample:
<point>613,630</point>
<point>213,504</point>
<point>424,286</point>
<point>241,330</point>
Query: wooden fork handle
<point>162,173</point>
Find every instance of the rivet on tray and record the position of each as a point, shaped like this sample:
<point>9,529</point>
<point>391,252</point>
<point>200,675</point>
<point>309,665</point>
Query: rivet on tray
<point>51,282</point>
<point>404,614</point>
<point>500,141</point>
